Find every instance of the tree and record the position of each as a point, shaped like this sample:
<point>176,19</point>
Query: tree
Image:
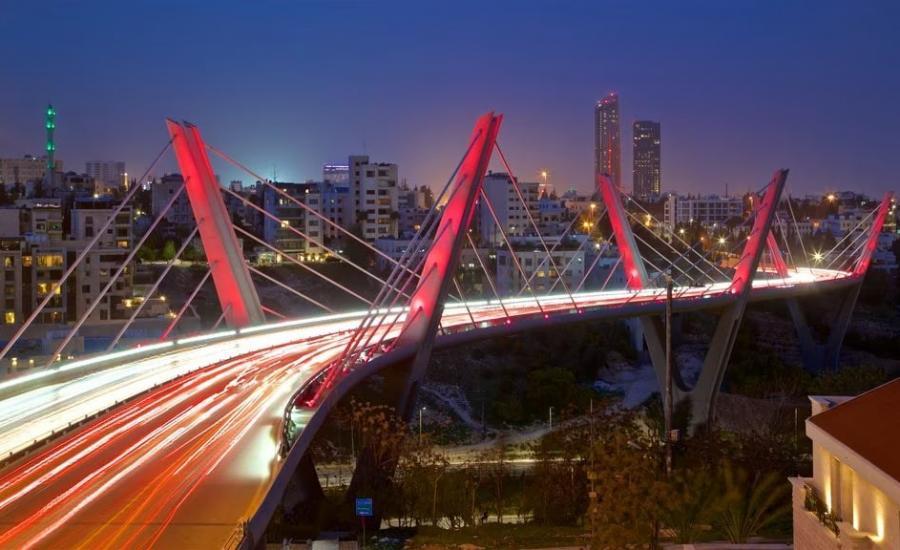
<point>694,500</point>
<point>495,471</point>
<point>751,503</point>
<point>557,489</point>
<point>551,387</point>
<point>148,253</point>
<point>380,434</point>
<point>420,471</point>
<point>168,251</point>
<point>626,502</point>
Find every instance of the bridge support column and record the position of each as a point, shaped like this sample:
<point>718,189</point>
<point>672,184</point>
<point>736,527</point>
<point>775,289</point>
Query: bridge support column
<point>234,287</point>
<point>816,355</point>
<point>427,301</point>
<point>305,496</point>
<point>826,355</point>
<point>702,396</point>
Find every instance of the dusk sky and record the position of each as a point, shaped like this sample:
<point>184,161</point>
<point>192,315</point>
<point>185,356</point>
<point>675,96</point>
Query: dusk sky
<point>741,88</point>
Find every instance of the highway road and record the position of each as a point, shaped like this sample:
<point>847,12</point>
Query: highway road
<point>183,462</point>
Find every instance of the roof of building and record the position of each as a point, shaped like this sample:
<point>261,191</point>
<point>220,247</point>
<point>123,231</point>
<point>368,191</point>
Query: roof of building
<point>868,424</point>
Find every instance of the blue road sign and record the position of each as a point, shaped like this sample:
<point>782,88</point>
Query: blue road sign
<point>364,507</point>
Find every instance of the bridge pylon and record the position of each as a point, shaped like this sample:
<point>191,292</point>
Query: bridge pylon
<point>234,287</point>
<point>426,304</point>
<point>703,394</point>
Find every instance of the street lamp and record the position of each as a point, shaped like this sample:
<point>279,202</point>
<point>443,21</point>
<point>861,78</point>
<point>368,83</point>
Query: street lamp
<point>420,424</point>
<point>551,418</point>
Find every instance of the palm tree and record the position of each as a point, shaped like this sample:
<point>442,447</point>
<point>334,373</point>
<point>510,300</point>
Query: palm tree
<point>695,501</point>
<point>751,503</point>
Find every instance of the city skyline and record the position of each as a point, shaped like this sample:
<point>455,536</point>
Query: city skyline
<point>408,274</point>
<point>741,93</point>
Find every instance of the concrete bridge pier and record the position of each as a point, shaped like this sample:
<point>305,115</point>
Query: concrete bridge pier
<point>824,354</point>
<point>304,495</point>
<point>702,395</point>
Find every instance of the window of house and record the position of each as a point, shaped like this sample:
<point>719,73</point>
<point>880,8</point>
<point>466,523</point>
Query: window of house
<point>50,260</point>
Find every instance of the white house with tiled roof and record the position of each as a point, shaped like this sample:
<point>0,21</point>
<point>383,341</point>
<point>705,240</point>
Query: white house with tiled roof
<point>853,499</point>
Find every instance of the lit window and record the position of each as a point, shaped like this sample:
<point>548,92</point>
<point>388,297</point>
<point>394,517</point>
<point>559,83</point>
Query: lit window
<point>9,317</point>
<point>50,260</point>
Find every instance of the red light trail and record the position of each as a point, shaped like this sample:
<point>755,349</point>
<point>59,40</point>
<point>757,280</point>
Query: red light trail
<point>181,465</point>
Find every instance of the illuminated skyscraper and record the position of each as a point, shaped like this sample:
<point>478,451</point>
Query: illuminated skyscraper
<point>647,175</point>
<point>607,139</point>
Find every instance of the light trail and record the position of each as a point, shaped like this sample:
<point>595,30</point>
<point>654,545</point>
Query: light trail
<point>151,471</point>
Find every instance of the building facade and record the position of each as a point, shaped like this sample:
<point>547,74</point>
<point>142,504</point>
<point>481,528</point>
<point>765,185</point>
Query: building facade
<point>607,139</point>
<point>36,248</point>
<point>852,499</point>
<point>180,215</point>
<point>646,165</point>
<point>570,261</point>
<point>291,216</point>
<point>705,210</point>
<point>338,174</point>
<point>511,213</point>
<point>25,169</point>
<point>108,174</point>
<point>374,191</point>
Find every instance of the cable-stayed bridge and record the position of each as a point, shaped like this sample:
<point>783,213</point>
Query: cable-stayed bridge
<point>192,441</point>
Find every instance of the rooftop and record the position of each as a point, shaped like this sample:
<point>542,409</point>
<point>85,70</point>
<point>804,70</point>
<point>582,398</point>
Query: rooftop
<point>868,425</point>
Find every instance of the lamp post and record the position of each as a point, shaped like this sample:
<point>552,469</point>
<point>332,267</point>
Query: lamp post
<point>668,396</point>
<point>551,418</point>
<point>420,424</point>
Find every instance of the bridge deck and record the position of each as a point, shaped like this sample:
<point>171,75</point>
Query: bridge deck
<point>182,464</point>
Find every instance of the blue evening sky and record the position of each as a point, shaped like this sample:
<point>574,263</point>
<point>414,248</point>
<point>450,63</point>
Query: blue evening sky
<point>741,88</point>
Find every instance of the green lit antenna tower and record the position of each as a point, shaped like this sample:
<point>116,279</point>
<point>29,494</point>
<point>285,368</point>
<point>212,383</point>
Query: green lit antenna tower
<point>51,146</point>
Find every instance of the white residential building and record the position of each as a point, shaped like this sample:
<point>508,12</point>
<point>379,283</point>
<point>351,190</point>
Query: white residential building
<point>507,206</point>
<point>704,210</point>
<point>538,269</point>
<point>108,175</point>
<point>848,220</point>
<point>374,189</point>
<point>853,498</point>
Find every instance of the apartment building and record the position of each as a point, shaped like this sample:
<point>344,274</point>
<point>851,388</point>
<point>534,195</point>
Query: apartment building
<point>511,213</point>
<point>852,499</point>
<point>705,210</point>
<point>297,232</point>
<point>375,197</point>
<point>36,248</point>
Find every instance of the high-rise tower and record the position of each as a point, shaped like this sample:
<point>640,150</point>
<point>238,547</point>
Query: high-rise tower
<point>51,146</point>
<point>607,140</point>
<point>646,175</point>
